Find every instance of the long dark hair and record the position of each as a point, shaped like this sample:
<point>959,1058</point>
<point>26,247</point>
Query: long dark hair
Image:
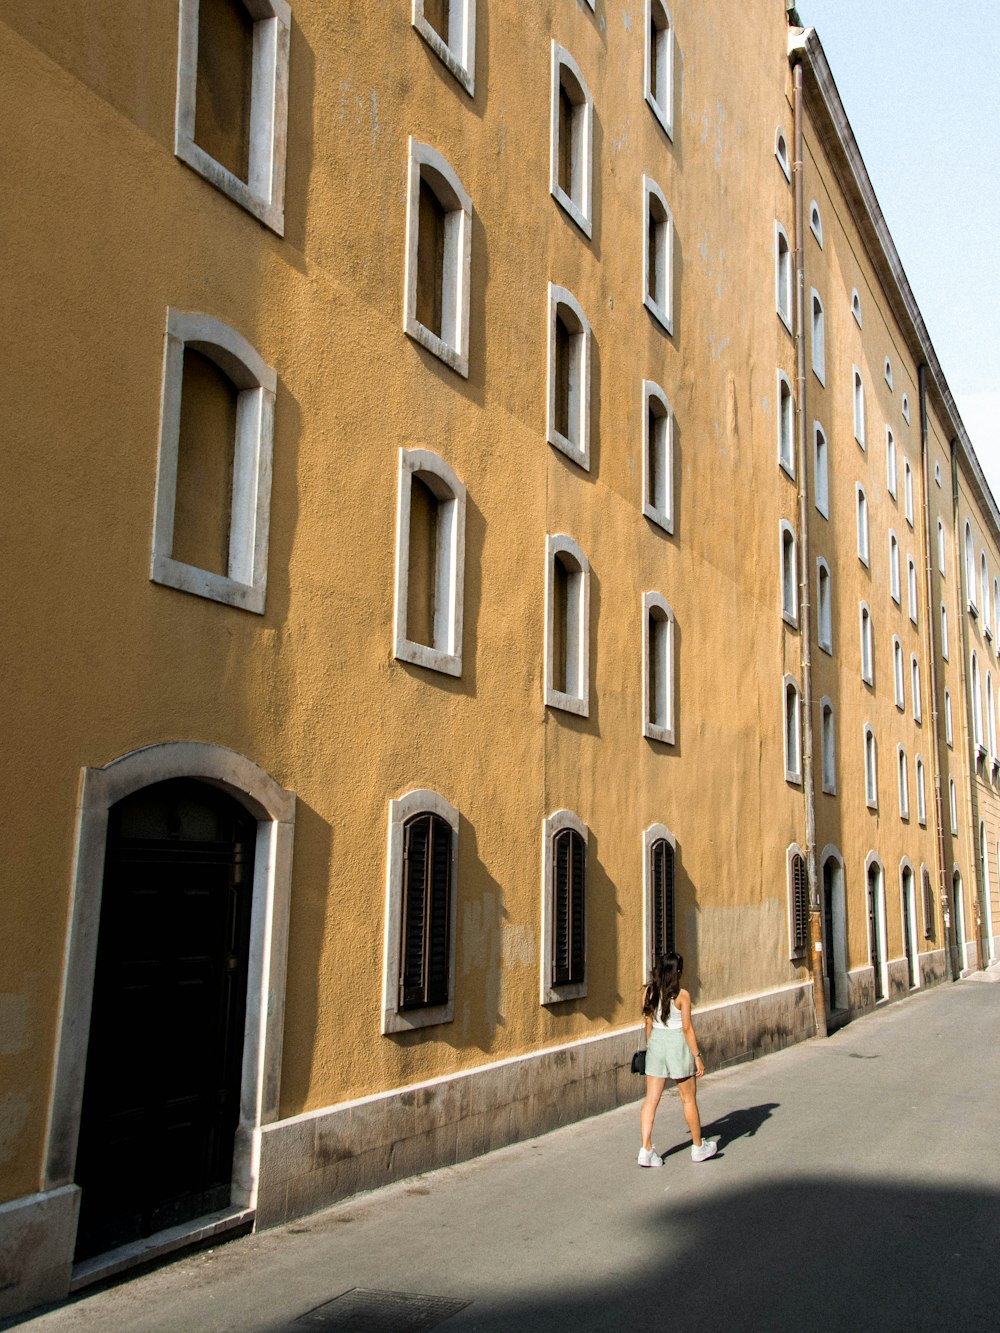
<point>665,985</point>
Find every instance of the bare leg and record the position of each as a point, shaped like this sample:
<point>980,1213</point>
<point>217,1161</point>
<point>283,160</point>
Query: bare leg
<point>654,1091</point>
<point>688,1094</point>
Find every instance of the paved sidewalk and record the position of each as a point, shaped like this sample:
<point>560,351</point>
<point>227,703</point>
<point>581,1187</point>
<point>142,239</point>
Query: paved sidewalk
<point>857,1187</point>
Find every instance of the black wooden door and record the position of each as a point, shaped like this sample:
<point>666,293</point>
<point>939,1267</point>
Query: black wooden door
<point>829,960</point>
<point>873,932</point>
<point>164,1061</point>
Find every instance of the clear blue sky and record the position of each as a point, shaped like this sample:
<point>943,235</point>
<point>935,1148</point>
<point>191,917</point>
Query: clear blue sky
<point>919,79</point>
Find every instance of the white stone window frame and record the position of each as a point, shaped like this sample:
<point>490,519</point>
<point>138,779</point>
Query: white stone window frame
<point>781,153</point>
<point>867,645</point>
<point>898,674</point>
<point>785,399</point>
<point>937,472</point>
<point>578,703</point>
<point>828,745</point>
<point>991,717</point>
<point>944,631</point>
<point>824,606</point>
<point>871,767</point>
<point>821,469</point>
<point>245,585</point>
<point>817,331</point>
<point>949,735</point>
<point>908,491</point>
<point>660,514</point>
<point>887,372</point>
<point>792,758</point>
<point>662,110</point>
<point>661,310</point>
<point>452,347</point>
<point>449,572</point>
<point>816,222</point>
<point>650,836</point>
<point>894,580</point>
<point>984,592</point>
<point>906,409</point>
<point>579,404</point>
<point>915,692</point>
<point>903,783</point>
<point>555,823</point>
<point>783,276</point>
<point>583,152</point>
<point>911,588</point>
<point>795,952</point>
<point>975,689</point>
<point>856,307</point>
<point>970,570</point>
<point>953,806</point>
<point>263,193</point>
<point>458,53</point>
<point>996,611</point>
<point>941,547</point>
<point>788,566</point>
<point>864,542</point>
<point>860,431</point>
<point>420,801</point>
<point>921,780</point>
<point>891,472</point>
<point>651,729</point>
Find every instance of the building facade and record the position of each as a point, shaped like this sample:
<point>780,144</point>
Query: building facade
<point>482,507</point>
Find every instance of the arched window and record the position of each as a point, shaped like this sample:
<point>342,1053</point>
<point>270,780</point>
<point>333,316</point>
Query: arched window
<point>567,626</point>
<point>908,491</point>
<point>915,687</point>
<point>793,731</point>
<point>944,631</point>
<point>657,457</point>
<point>781,153</point>
<point>213,479</point>
<point>888,372</point>
<point>430,563</point>
<point>418,986</point>
<point>859,408</point>
<point>659,853</point>
<point>991,720</point>
<point>449,29</point>
<point>821,467</point>
<point>940,546</point>
<point>953,805</point>
<point>658,255</point>
<point>829,744</point>
<point>904,785</point>
<point>438,258</point>
<point>568,419</point>
<point>871,770</point>
<point>232,101</point>
<point>658,668</point>
<point>921,792</point>
<point>786,425</point>
<point>928,896</point>
<point>856,306</point>
<point>862,500</point>
<point>564,921</point>
<point>906,409</point>
<point>867,646</point>
<point>890,461</point>
<point>984,592</point>
<point>911,588</point>
<point>659,64</point>
<point>783,275</point>
<point>977,704</point>
<point>947,718</point>
<point>970,568</point>
<point>571,139</point>
<point>894,589</point>
<point>816,223</point>
<point>798,903</point>
<point>824,602</point>
<point>818,337</point>
<point>897,671</point>
<point>789,575</point>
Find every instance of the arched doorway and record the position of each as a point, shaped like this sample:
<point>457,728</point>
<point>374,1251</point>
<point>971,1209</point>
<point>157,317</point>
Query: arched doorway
<point>909,906</point>
<point>876,928</point>
<point>161,1094</point>
<point>834,931</point>
<point>958,908</point>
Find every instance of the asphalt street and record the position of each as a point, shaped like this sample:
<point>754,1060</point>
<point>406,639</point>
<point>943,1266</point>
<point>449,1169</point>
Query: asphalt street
<point>857,1186</point>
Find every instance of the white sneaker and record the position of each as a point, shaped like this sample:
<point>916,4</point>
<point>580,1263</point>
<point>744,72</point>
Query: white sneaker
<point>649,1157</point>
<point>706,1149</point>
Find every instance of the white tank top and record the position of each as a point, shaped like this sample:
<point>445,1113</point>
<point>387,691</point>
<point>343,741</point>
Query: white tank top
<point>674,1019</point>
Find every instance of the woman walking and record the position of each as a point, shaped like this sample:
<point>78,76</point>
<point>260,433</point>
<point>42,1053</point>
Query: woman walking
<point>671,1052</point>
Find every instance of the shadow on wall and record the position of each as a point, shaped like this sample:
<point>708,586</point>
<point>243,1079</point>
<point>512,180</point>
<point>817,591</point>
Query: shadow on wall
<point>810,1254</point>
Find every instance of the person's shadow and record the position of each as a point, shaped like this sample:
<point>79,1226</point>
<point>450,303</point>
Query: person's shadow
<point>741,1124</point>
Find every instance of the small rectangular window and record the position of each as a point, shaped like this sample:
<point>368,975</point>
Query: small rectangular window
<point>449,29</point>
<point>568,416</point>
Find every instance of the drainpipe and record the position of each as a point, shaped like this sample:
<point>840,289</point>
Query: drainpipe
<point>805,579</point>
<point>931,651</point>
<point>964,597</point>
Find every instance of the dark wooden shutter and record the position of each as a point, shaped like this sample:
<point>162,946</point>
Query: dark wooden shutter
<point>426,925</point>
<point>662,877</point>
<point>928,906</point>
<point>569,891</point>
<point>800,904</point>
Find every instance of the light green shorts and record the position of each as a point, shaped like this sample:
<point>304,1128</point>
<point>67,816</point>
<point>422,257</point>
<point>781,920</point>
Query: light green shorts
<point>668,1054</point>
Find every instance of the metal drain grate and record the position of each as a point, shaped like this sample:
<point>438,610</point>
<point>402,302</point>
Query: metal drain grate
<point>360,1311</point>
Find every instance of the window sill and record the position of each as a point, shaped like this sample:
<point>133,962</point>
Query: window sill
<point>444,53</point>
<point>666,123</point>
<point>785,320</point>
<point>665,735</point>
<point>793,779</point>
<point>872,805</point>
<point>433,659</point>
<point>203,583</point>
<point>264,210</point>
<point>407,1020</point>
<point>820,375</point>
<point>791,621</point>
<point>659,314</point>
<point>826,648</point>
<point>567,703</point>
<point>575,452</point>
<point>574,210</point>
<point>973,610</point>
<point>451,356</point>
<point>788,469</point>
<point>576,990</point>
<point>661,519</point>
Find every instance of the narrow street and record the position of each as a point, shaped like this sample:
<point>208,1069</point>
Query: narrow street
<point>857,1186</point>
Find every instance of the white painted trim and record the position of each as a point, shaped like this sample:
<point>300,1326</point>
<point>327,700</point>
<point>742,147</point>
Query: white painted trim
<point>555,823</point>
<point>783,277</point>
<point>653,730</point>
<point>274,809</point>
<point>245,585</point>
<point>829,782</point>
<point>821,470</point>
<point>662,514</point>
<point>400,810</point>
<point>458,53</point>
<point>577,445</point>
<point>661,310</point>
<point>577,701</point>
<point>662,110</point>
<point>786,426</point>
<point>652,835</point>
<point>793,773</point>
<point>789,571</point>
<point>263,193</point>
<point>579,203</point>
<point>817,336</point>
<point>452,347</point>
<point>445,654</point>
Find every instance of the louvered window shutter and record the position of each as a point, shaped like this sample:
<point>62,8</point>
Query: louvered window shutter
<point>928,907</point>
<point>662,876</point>
<point>569,892</point>
<point>425,953</point>
<point>579,906</point>
<point>800,903</point>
